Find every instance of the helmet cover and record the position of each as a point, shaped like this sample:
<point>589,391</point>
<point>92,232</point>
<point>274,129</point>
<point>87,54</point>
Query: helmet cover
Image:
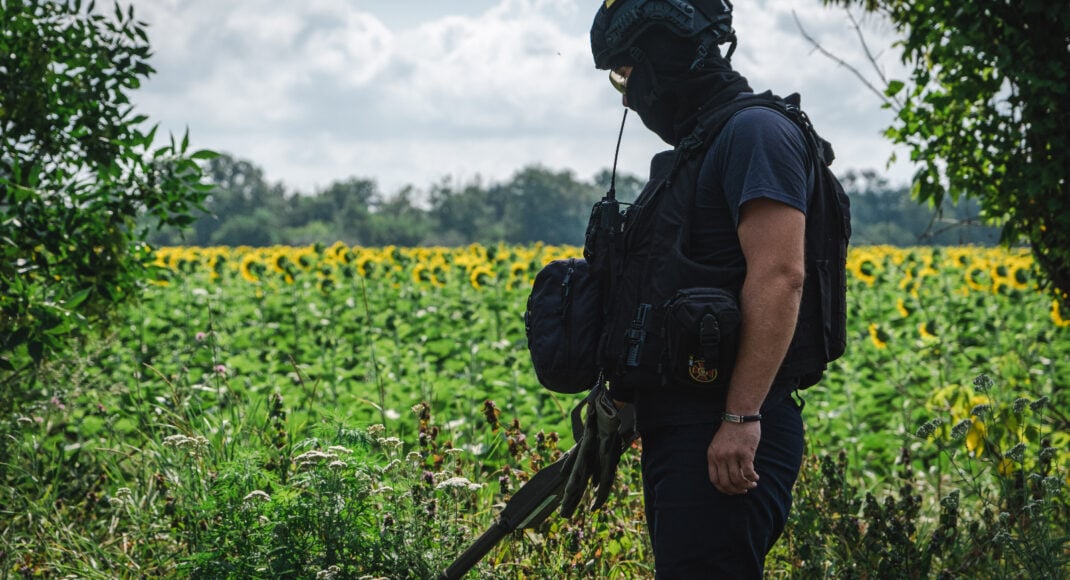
<point>620,23</point>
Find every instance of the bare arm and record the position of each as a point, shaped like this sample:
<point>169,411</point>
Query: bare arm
<point>772,236</point>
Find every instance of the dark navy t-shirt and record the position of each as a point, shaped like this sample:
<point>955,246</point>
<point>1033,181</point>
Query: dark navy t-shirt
<point>759,153</point>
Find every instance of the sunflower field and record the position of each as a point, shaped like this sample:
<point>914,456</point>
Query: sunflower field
<point>336,411</point>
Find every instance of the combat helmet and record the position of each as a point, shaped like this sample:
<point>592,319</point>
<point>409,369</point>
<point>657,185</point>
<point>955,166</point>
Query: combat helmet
<point>620,23</point>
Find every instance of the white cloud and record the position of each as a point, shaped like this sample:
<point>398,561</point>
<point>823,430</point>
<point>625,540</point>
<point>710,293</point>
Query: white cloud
<point>500,71</point>
<point>353,53</point>
<point>263,27</point>
<point>326,89</point>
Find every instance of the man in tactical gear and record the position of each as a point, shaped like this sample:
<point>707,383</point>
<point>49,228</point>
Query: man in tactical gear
<point>748,183</point>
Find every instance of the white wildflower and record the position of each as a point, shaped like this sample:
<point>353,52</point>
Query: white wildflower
<point>1017,453</point>
<point>339,449</point>
<point>179,441</point>
<point>175,440</point>
<point>314,456</point>
<point>362,479</point>
<point>329,574</point>
<point>257,495</point>
<point>459,482</point>
<point>123,495</point>
<point>474,449</point>
<point>376,430</point>
<point>981,410</point>
<point>961,428</point>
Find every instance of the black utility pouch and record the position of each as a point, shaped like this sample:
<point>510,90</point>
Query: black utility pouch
<point>563,323</point>
<point>701,336</point>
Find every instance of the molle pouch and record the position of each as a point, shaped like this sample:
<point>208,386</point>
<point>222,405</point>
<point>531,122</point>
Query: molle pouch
<point>563,323</point>
<point>701,336</point>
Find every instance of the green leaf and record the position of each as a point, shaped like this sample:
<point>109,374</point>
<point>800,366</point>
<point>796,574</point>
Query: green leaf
<point>77,298</point>
<point>894,88</point>
<point>204,155</point>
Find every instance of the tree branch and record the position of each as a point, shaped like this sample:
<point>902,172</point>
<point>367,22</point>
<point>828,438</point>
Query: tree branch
<point>894,104</point>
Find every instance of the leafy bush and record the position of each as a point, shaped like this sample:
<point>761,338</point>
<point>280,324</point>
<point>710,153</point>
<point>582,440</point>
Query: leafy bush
<point>75,171</point>
<point>1005,514</point>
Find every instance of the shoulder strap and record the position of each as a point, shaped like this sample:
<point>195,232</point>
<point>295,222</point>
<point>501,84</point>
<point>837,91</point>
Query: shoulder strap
<point>710,123</point>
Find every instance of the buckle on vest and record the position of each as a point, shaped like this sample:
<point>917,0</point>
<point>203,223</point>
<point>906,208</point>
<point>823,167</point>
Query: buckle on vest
<point>709,337</point>
<point>636,335</point>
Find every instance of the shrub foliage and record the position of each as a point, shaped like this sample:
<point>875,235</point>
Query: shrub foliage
<point>77,166</point>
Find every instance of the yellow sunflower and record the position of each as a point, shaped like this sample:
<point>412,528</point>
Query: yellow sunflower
<point>976,278</point>
<point>927,330</point>
<point>1057,308</point>
<point>878,336</point>
<point>251,268</point>
<point>421,274</point>
<point>901,306</point>
<point>480,275</point>
<point>865,269</point>
<point>517,274</point>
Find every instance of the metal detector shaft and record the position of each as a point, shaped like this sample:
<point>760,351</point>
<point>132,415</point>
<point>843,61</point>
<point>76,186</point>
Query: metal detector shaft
<point>529,506</point>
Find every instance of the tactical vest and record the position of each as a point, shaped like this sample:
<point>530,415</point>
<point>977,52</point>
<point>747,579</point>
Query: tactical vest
<point>672,320</point>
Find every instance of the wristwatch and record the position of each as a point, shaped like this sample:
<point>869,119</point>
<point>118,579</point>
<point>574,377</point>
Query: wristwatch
<point>732,418</point>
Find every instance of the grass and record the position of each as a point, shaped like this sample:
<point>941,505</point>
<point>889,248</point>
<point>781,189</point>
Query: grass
<point>234,430</point>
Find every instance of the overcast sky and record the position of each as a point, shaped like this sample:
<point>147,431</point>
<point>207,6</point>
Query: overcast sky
<point>407,92</point>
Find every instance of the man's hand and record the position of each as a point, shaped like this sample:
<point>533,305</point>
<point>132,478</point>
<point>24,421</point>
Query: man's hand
<point>772,236</point>
<point>730,457</point>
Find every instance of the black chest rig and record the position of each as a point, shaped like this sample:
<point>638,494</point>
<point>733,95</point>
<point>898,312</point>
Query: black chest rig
<point>672,320</point>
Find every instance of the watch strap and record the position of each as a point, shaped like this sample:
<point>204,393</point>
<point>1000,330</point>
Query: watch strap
<point>733,418</point>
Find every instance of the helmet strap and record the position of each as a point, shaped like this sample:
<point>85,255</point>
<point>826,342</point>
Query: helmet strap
<point>702,53</point>
<point>731,48</point>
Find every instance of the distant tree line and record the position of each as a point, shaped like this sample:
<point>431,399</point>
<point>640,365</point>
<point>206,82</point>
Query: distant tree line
<point>535,204</point>
<point>886,214</point>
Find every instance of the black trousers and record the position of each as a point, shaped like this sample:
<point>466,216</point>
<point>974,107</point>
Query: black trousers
<point>699,532</point>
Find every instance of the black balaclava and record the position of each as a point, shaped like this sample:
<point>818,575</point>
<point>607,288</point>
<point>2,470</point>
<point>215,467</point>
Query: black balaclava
<point>669,87</point>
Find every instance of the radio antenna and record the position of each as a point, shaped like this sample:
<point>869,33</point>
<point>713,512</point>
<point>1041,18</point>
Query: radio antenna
<point>612,193</point>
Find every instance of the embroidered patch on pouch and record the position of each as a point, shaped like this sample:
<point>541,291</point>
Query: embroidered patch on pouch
<point>698,371</point>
